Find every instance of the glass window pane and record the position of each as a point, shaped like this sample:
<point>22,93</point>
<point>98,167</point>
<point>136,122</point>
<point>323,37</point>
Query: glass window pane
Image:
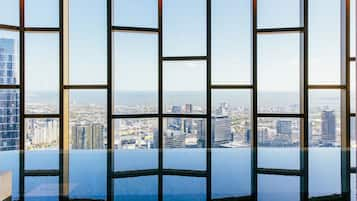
<point>278,143</point>
<point>9,12</point>
<point>353,141</point>
<point>278,73</point>
<point>88,144</point>
<point>279,13</point>
<point>353,89</point>
<point>184,143</point>
<point>42,61</point>
<point>9,57</point>
<point>42,13</point>
<point>324,140</point>
<point>184,28</point>
<point>324,42</point>
<point>9,135</point>
<point>231,143</point>
<point>136,144</point>
<point>41,144</point>
<point>184,87</point>
<point>136,73</point>
<point>41,188</point>
<point>88,42</point>
<point>353,187</point>
<point>136,188</point>
<point>353,34</point>
<point>184,188</point>
<point>278,188</point>
<point>231,42</point>
<point>136,13</point>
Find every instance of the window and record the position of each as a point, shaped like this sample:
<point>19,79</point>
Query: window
<point>178,99</point>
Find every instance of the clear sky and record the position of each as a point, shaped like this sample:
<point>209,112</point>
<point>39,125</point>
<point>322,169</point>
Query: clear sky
<point>135,54</point>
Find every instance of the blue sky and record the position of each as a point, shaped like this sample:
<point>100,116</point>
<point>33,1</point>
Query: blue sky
<point>135,67</point>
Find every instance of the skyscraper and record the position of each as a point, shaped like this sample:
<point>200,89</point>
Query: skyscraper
<point>221,129</point>
<point>9,99</point>
<point>328,127</point>
<point>87,136</point>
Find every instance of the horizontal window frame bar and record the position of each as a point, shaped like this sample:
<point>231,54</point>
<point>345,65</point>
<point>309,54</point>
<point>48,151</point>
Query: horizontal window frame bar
<point>133,116</point>
<point>329,86</point>
<point>242,198</point>
<point>243,86</point>
<point>353,170</point>
<point>41,116</point>
<point>280,30</point>
<point>42,29</point>
<point>134,173</point>
<point>185,58</point>
<point>278,115</point>
<point>335,197</point>
<point>193,116</point>
<point>9,27</point>
<point>134,29</point>
<point>352,58</point>
<point>96,86</point>
<point>153,172</point>
<point>41,173</point>
<point>353,114</point>
<point>185,173</point>
<point>282,172</point>
<point>13,86</point>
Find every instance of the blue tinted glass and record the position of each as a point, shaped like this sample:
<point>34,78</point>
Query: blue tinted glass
<point>136,188</point>
<point>9,12</point>
<point>41,189</point>
<point>42,13</point>
<point>278,188</point>
<point>177,188</point>
<point>136,13</point>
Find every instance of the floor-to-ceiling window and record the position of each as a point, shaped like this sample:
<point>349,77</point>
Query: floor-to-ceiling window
<point>178,99</point>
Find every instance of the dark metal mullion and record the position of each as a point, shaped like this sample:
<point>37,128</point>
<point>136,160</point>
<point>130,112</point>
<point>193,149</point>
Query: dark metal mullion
<point>345,99</point>
<point>22,100</point>
<point>160,100</point>
<point>217,86</point>
<point>283,172</point>
<point>279,115</point>
<point>208,101</point>
<point>86,86</point>
<point>42,29</point>
<point>352,114</point>
<point>110,147</point>
<point>313,86</point>
<point>254,179</point>
<point>42,173</point>
<point>61,179</point>
<point>41,116</point>
<point>9,27</point>
<point>280,30</point>
<point>135,29</point>
<point>304,74</point>
<point>184,58</point>
<point>12,86</point>
<point>352,58</point>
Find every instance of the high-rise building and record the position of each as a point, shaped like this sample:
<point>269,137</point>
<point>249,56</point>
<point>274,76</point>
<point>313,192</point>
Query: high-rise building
<point>221,129</point>
<point>87,136</point>
<point>328,127</point>
<point>283,127</point>
<point>188,108</point>
<point>9,99</point>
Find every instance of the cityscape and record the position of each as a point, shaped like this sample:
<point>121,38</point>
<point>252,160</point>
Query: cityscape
<point>231,124</point>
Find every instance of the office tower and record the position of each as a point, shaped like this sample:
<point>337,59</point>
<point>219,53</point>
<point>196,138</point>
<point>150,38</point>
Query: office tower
<point>87,136</point>
<point>283,127</point>
<point>222,109</point>
<point>174,139</point>
<point>328,127</point>
<point>97,136</point>
<point>9,99</point>
<point>176,109</point>
<point>188,108</point>
<point>221,129</point>
<point>201,132</point>
<point>310,133</point>
<point>247,136</point>
<point>187,123</point>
